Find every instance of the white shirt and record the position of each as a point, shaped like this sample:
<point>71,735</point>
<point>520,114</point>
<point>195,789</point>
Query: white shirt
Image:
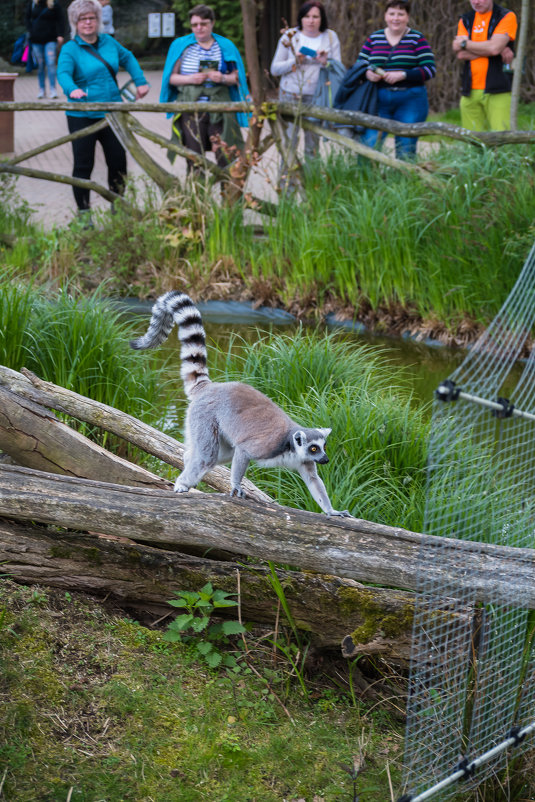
<point>304,79</point>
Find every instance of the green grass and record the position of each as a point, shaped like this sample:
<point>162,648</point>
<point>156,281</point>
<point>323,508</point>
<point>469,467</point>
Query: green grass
<point>386,246</point>
<point>81,343</point>
<point>103,706</point>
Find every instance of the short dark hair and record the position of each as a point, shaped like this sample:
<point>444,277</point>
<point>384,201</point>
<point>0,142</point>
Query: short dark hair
<point>305,8</point>
<point>403,4</point>
<point>202,11</point>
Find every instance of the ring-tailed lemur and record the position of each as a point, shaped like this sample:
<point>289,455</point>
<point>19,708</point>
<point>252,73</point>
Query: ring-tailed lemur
<point>231,421</point>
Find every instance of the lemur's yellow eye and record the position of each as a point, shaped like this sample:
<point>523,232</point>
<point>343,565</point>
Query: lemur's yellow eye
<point>313,448</point>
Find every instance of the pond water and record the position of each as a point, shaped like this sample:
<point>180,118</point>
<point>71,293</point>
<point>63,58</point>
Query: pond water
<point>426,364</point>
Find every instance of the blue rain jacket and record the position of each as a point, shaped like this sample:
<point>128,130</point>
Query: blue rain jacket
<point>79,69</point>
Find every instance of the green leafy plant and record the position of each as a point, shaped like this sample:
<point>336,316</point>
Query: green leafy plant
<point>195,625</point>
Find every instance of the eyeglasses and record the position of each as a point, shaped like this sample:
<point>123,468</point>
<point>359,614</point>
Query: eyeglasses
<point>87,19</point>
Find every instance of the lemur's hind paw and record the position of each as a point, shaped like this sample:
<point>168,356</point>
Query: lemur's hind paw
<point>339,514</point>
<point>237,492</point>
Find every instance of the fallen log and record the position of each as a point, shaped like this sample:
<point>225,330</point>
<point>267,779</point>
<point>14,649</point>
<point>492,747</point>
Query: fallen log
<point>327,608</point>
<point>34,437</point>
<point>29,386</point>
<point>350,548</point>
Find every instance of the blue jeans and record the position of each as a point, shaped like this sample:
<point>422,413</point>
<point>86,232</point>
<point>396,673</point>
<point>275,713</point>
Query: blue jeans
<point>404,105</point>
<point>45,55</point>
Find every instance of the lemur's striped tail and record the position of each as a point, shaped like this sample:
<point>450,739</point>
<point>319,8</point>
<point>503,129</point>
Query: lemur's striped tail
<point>176,307</point>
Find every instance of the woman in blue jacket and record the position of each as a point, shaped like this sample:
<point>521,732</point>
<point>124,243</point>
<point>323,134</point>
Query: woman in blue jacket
<point>87,67</point>
<point>203,66</point>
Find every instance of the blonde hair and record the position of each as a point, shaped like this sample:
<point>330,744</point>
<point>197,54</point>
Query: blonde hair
<point>79,7</point>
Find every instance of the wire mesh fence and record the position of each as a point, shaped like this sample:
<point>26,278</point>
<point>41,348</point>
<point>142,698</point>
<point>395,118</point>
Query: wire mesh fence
<point>473,675</point>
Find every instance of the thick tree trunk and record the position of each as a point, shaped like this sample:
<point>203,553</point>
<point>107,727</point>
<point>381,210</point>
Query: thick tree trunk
<point>377,621</point>
<point>249,16</point>
<point>520,55</point>
<point>347,547</point>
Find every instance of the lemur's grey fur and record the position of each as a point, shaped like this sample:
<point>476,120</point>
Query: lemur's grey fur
<point>231,421</point>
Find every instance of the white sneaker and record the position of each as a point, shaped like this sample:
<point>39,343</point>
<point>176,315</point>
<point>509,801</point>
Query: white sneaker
<point>53,93</point>
<point>40,94</point>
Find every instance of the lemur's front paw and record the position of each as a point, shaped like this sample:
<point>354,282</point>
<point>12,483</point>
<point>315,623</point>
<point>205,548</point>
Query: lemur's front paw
<point>341,514</point>
<point>237,492</point>
<point>180,488</point>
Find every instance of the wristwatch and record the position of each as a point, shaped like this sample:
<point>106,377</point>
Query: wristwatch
<point>463,44</point>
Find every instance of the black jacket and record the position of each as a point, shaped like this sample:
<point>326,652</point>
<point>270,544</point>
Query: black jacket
<point>356,93</point>
<point>497,80</point>
<point>44,24</point>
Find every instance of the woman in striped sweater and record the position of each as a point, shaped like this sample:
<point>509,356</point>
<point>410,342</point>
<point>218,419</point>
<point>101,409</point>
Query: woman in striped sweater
<point>400,62</point>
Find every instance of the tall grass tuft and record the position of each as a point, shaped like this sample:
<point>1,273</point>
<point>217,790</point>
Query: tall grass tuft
<point>373,237</point>
<point>377,447</point>
<point>81,344</point>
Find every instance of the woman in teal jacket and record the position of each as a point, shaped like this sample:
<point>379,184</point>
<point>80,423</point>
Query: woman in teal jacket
<point>87,67</point>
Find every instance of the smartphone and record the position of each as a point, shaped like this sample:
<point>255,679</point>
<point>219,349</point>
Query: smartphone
<point>307,51</point>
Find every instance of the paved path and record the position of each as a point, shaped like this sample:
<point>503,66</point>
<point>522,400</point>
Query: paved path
<point>53,202</point>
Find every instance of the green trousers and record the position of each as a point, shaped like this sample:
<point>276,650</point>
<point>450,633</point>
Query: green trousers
<point>483,112</point>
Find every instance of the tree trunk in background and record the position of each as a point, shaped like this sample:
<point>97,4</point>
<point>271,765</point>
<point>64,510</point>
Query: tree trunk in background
<point>519,60</point>
<point>249,10</point>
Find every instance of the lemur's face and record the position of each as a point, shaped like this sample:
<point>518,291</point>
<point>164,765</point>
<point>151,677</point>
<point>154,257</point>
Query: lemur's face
<point>310,446</point>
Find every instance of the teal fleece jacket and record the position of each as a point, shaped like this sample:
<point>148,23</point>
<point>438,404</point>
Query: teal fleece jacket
<point>230,53</point>
<point>79,69</point>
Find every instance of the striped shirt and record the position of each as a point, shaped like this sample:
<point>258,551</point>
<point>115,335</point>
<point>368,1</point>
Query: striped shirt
<point>198,59</point>
<point>412,54</point>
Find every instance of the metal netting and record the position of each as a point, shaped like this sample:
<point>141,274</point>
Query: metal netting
<point>472,668</point>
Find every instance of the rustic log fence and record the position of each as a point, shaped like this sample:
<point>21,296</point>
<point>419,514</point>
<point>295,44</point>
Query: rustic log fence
<point>129,129</point>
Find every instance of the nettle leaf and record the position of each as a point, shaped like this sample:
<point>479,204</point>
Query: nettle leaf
<point>171,637</point>
<point>203,603</point>
<point>222,596</point>
<point>215,631</point>
<point>182,622</point>
<point>233,628</point>
<point>205,647</point>
<point>178,603</point>
<point>190,597</point>
<point>206,591</point>
<point>200,623</point>
<point>213,659</point>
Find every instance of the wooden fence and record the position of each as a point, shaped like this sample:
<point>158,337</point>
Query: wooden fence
<point>271,116</point>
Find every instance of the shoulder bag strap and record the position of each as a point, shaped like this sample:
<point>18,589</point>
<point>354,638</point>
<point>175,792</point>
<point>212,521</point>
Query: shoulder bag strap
<point>94,53</point>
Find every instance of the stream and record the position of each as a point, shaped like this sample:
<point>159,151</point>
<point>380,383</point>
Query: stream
<point>426,363</point>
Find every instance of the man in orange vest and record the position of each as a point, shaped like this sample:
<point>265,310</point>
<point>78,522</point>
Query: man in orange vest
<point>485,45</point>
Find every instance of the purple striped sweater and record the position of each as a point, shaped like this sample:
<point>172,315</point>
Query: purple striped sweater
<point>412,54</point>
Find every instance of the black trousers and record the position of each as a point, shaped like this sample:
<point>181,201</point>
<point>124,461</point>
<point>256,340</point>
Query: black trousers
<point>84,157</point>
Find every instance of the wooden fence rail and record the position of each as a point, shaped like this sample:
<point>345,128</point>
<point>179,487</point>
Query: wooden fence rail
<point>128,129</point>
